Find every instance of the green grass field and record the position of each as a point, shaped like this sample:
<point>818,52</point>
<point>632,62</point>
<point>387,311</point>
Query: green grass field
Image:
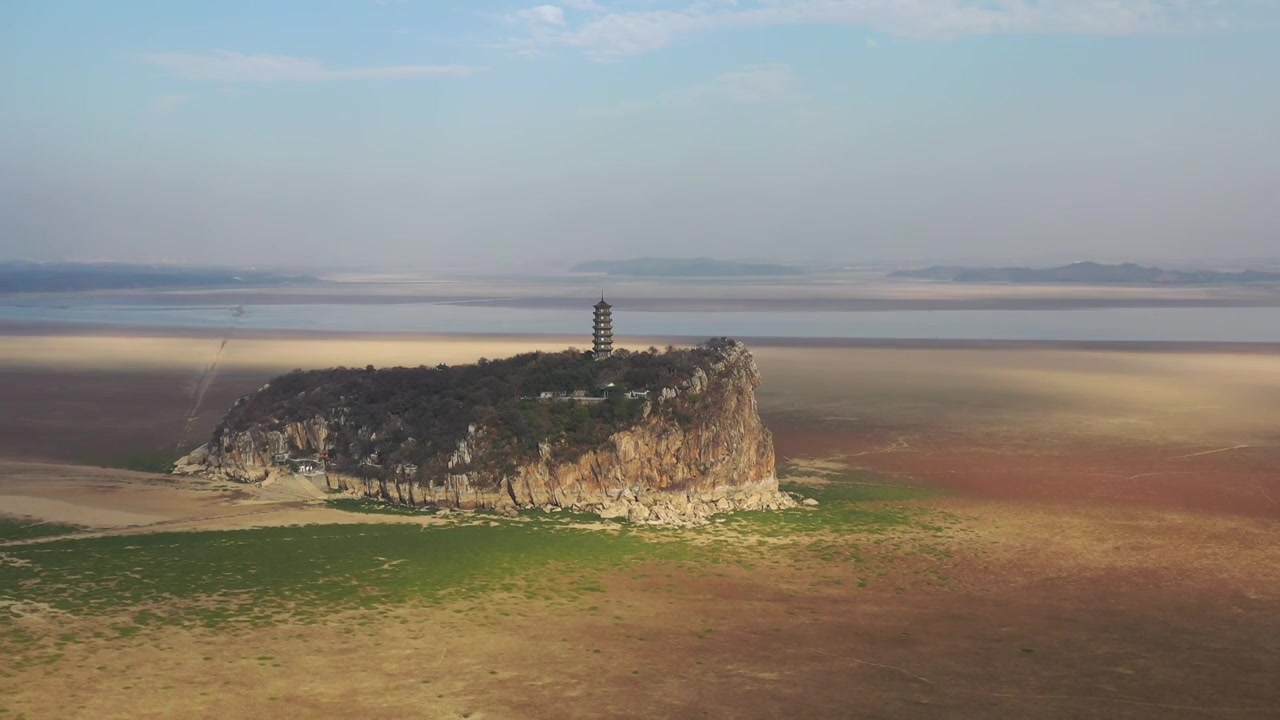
<point>300,573</point>
<point>376,507</point>
<point>18,528</point>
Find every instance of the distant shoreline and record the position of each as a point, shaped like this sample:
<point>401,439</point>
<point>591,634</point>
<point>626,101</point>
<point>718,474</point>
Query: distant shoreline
<point>41,329</point>
<point>944,302</point>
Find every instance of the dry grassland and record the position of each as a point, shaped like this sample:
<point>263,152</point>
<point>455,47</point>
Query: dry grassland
<point>955,608</point>
<point>1186,430</point>
<point>1103,547</point>
<point>1176,397</point>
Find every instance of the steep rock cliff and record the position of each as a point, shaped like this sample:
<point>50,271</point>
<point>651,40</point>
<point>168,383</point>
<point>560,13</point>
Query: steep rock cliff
<point>696,446</point>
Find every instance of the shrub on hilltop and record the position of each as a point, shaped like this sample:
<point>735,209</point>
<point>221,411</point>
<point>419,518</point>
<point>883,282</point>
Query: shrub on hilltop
<point>418,415</point>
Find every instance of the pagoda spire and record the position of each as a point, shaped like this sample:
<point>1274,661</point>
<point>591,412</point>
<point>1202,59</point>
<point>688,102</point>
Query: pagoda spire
<point>602,329</point>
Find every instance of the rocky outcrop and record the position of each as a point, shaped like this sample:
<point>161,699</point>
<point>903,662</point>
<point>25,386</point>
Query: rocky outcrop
<point>699,449</point>
<point>249,456</point>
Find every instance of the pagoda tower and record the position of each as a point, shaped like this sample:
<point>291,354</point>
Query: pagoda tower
<point>602,330</point>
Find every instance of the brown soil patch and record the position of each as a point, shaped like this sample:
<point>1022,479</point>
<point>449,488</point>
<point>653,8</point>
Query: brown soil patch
<point>123,502</point>
<point>1054,590</point>
<point>1191,431</point>
<point>1191,478</point>
<point>1116,613</point>
<point>113,417</point>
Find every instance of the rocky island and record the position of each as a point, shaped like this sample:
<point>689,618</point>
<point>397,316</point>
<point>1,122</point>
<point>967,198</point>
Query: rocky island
<point>658,436</point>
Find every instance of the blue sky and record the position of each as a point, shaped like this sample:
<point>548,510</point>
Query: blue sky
<point>432,133</point>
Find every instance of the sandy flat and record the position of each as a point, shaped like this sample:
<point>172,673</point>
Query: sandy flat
<point>74,513</point>
<point>127,350</point>
<point>103,497</point>
<point>109,498</point>
<point>1104,552</point>
<point>51,346</point>
<point>114,502</point>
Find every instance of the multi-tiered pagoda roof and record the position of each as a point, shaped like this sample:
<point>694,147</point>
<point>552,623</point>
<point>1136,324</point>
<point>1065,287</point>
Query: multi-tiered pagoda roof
<point>602,329</point>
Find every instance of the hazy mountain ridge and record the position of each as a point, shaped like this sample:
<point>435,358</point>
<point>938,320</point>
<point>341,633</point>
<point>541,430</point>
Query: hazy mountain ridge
<point>685,267</point>
<point>22,276</point>
<point>1088,273</point>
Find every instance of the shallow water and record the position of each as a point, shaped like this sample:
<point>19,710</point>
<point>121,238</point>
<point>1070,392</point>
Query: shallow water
<point>1140,324</point>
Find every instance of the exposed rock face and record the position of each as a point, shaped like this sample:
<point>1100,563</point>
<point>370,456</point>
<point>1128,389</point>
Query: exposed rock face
<point>699,449</point>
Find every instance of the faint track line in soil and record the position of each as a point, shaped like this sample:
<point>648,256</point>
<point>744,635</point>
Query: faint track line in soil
<point>1267,495</point>
<point>888,485</point>
<point>1125,700</point>
<point>206,379</point>
<point>1210,452</point>
<point>899,670</point>
<point>860,661</point>
<point>898,444</point>
<point>1161,472</point>
<point>205,382</point>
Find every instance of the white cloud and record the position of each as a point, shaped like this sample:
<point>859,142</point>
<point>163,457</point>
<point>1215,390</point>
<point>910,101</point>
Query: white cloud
<point>590,5</point>
<point>167,104</point>
<point>234,67</point>
<point>612,34</point>
<point>540,15</point>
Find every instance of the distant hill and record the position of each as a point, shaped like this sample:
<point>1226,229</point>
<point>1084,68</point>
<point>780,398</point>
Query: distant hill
<point>684,267</point>
<point>1088,273</point>
<point>18,276</point>
<point>935,272</point>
